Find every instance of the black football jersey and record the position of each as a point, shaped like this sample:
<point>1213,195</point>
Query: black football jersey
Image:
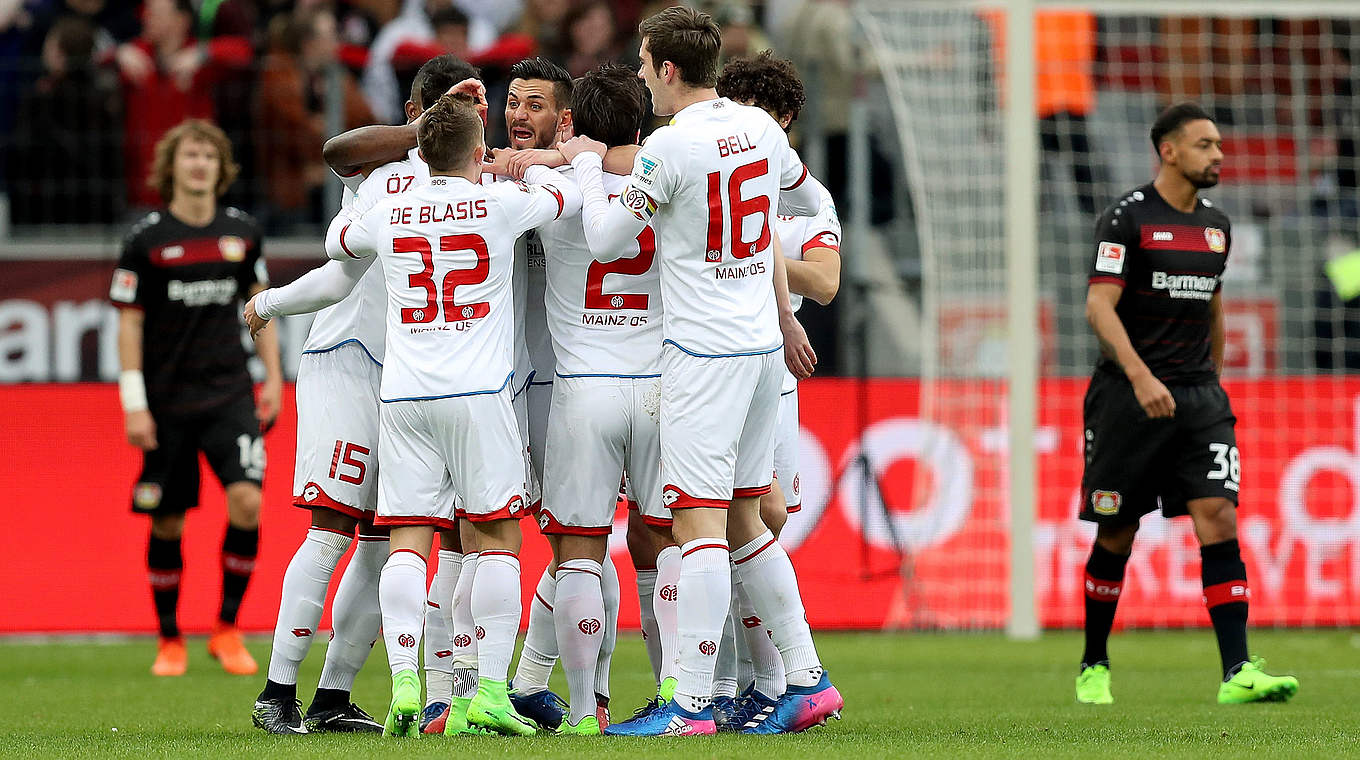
<point>191,282</point>
<point>1170,265</point>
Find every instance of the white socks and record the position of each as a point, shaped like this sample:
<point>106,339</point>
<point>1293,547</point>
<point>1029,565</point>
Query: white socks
<point>664,605</point>
<point>303,599</point>
<point>579,622</point>
<point>705,590</point>
<point>765,662</point>
<point>401,592</point>
<point>769,582</point>
<point>725,669</point>
<point>496,611</point>
<point>609,587</point>
<point>355,617</point>
<point>540,640</point>
<point>439,628</point>
<point>651,636</point>
<point>464,631</point>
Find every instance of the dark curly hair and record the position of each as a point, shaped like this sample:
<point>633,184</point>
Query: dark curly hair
<point>766,82</point>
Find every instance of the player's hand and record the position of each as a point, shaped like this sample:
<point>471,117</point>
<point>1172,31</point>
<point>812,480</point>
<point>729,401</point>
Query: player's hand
<point>141,429</point>
<point>500,161</point>
<point>582,144</point>
<point>183,65</point>
<point>135,64</point>
<point>798,354</point>
<point>1153,396</point>
<point>474,89</point>
<point>269,403</point>
<point>254,321</point>
<point>520,162</point>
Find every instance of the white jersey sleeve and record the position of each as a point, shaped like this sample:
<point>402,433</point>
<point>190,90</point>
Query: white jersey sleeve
<point>541,199</point>
<point>800,194</point>
<point>797,236</point>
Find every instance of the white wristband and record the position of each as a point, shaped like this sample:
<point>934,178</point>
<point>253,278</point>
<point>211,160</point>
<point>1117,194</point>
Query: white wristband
<point>132,390</point>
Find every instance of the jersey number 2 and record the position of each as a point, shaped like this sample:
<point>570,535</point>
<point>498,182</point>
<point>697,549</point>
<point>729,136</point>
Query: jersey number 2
<point>424,279</point>
<point>596,298</point>
<point>738,209</point>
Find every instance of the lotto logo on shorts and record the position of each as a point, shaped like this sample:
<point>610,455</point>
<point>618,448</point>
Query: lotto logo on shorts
<point>707,648</point>
<point>669,593</point>
<point>147,495</point>
<point>669,496</point>
<point>1106,502</point>
<point>462,640</point>
<point>589,626</point>
<point>542,520</point>
<point>310,492</point>
<point>481,633</point>
<point>302,633</point>
<point>407,640</point>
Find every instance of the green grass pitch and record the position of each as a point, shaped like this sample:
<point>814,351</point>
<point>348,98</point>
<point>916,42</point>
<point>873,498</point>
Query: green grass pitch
<point>907,695</point>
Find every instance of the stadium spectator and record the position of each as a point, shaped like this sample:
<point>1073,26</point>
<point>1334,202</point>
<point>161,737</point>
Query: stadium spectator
<point>488,19</point>
<point>542,22</point>
<point>588,38</point>
<point>168,77</point>
<point>66,148</point>
<point>742,37</point>
<point>291,115</point>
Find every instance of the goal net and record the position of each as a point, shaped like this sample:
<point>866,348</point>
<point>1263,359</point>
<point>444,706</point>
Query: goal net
<point>1279,79</point>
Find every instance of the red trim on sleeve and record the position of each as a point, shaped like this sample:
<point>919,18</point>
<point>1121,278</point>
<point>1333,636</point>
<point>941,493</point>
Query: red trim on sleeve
<point>357,171</point>
<point>561,203</point>
<point>819,241</point>
<point>751,492</point>
<point>801,178</point>
<point>1106,278</point>
<point>344,247</point>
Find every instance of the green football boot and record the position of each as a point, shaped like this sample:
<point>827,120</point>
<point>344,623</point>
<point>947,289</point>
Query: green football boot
<point>490,708</point>
<point>1093,685</point>
<point>403,717</point>
<point>589,726</point>
<point>457,724</point>
<point>1252,684</point>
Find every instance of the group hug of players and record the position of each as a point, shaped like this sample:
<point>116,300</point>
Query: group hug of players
<point>575,311</point>
<point>511,355</point>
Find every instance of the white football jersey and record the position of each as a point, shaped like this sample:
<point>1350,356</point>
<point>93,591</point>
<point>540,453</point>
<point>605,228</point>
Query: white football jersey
<point>800,234</point>
<point>359,317</point>
<point>717,171</point>
<point>605,319</point>
<point>533,346</point>
<point>447,252</point>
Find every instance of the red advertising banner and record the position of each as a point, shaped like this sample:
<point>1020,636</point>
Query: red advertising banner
<point>920,542</point>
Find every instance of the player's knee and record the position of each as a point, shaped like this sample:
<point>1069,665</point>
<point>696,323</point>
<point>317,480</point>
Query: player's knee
<point>580,547</point>
<point>773,512</point>
<point>167,527</point>
<point>641,549</point>
<point>243,505</point>
<point>504,535</point>
<point>329,519</point>
<point>744,523</point>
<point>1215,519</point>
<point>1117,538</point>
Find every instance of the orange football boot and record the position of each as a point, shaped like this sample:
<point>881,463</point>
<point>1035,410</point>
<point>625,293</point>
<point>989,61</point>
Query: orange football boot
<point>172,659</point>
<point>226,646</point>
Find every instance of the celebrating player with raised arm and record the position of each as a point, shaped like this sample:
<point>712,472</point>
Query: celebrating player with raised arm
<point>709,183</point>
<point>336,471</point>
<point>1159,428</point>
<point>447,428</point>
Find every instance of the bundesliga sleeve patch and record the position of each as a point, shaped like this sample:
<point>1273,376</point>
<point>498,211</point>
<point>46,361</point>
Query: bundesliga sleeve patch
<point>648,169</point>
<point>638,203</point>
<point>124,287</point>
<point>1110,258</point>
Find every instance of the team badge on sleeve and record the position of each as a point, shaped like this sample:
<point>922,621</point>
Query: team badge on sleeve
<point>1218,242</point>
<point>638,203</point>
<point>124,287</point>
<point>1110,258</point>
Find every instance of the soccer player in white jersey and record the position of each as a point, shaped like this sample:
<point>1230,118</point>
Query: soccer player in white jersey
<point>606,332</point>
<point>811,245</point>
<point>447,429</point>
<point>709,183</point>
<point>336,470</point>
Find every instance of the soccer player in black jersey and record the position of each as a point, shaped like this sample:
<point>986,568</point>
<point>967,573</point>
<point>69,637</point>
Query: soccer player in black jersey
<point>184,384</point>
<point>1159,428</point>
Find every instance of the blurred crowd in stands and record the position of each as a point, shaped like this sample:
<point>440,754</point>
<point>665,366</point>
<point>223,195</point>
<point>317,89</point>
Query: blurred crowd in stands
<point>88,86</point>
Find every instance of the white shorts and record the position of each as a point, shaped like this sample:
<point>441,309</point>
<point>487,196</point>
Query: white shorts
<point>786,450</point>
<point>337,431</point>
<point>718,417</point>
<point>436,452</point>
<point>601,427</point>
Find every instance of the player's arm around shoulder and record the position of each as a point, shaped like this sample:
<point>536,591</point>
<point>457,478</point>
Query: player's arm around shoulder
<point>357,234</point>
<point>817,275</point>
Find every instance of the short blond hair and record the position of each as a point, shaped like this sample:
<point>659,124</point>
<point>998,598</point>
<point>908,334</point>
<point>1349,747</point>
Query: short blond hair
<point>162,176</point>
<point>450,132</point>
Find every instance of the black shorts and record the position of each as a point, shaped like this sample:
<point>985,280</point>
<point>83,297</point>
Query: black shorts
<point>229,438</point>
<point>1134,464</point>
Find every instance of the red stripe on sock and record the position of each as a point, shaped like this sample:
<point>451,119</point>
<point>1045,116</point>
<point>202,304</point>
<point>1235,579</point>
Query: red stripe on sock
<point>1102,590</point>
<point>331,530</point>
<point>395,552</point>
<point>701,547</point>
<point>579,570</point>
<point>1226,593</point>
<point>542,601</point>
<point>497,553</point>
<point>752,555</point>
